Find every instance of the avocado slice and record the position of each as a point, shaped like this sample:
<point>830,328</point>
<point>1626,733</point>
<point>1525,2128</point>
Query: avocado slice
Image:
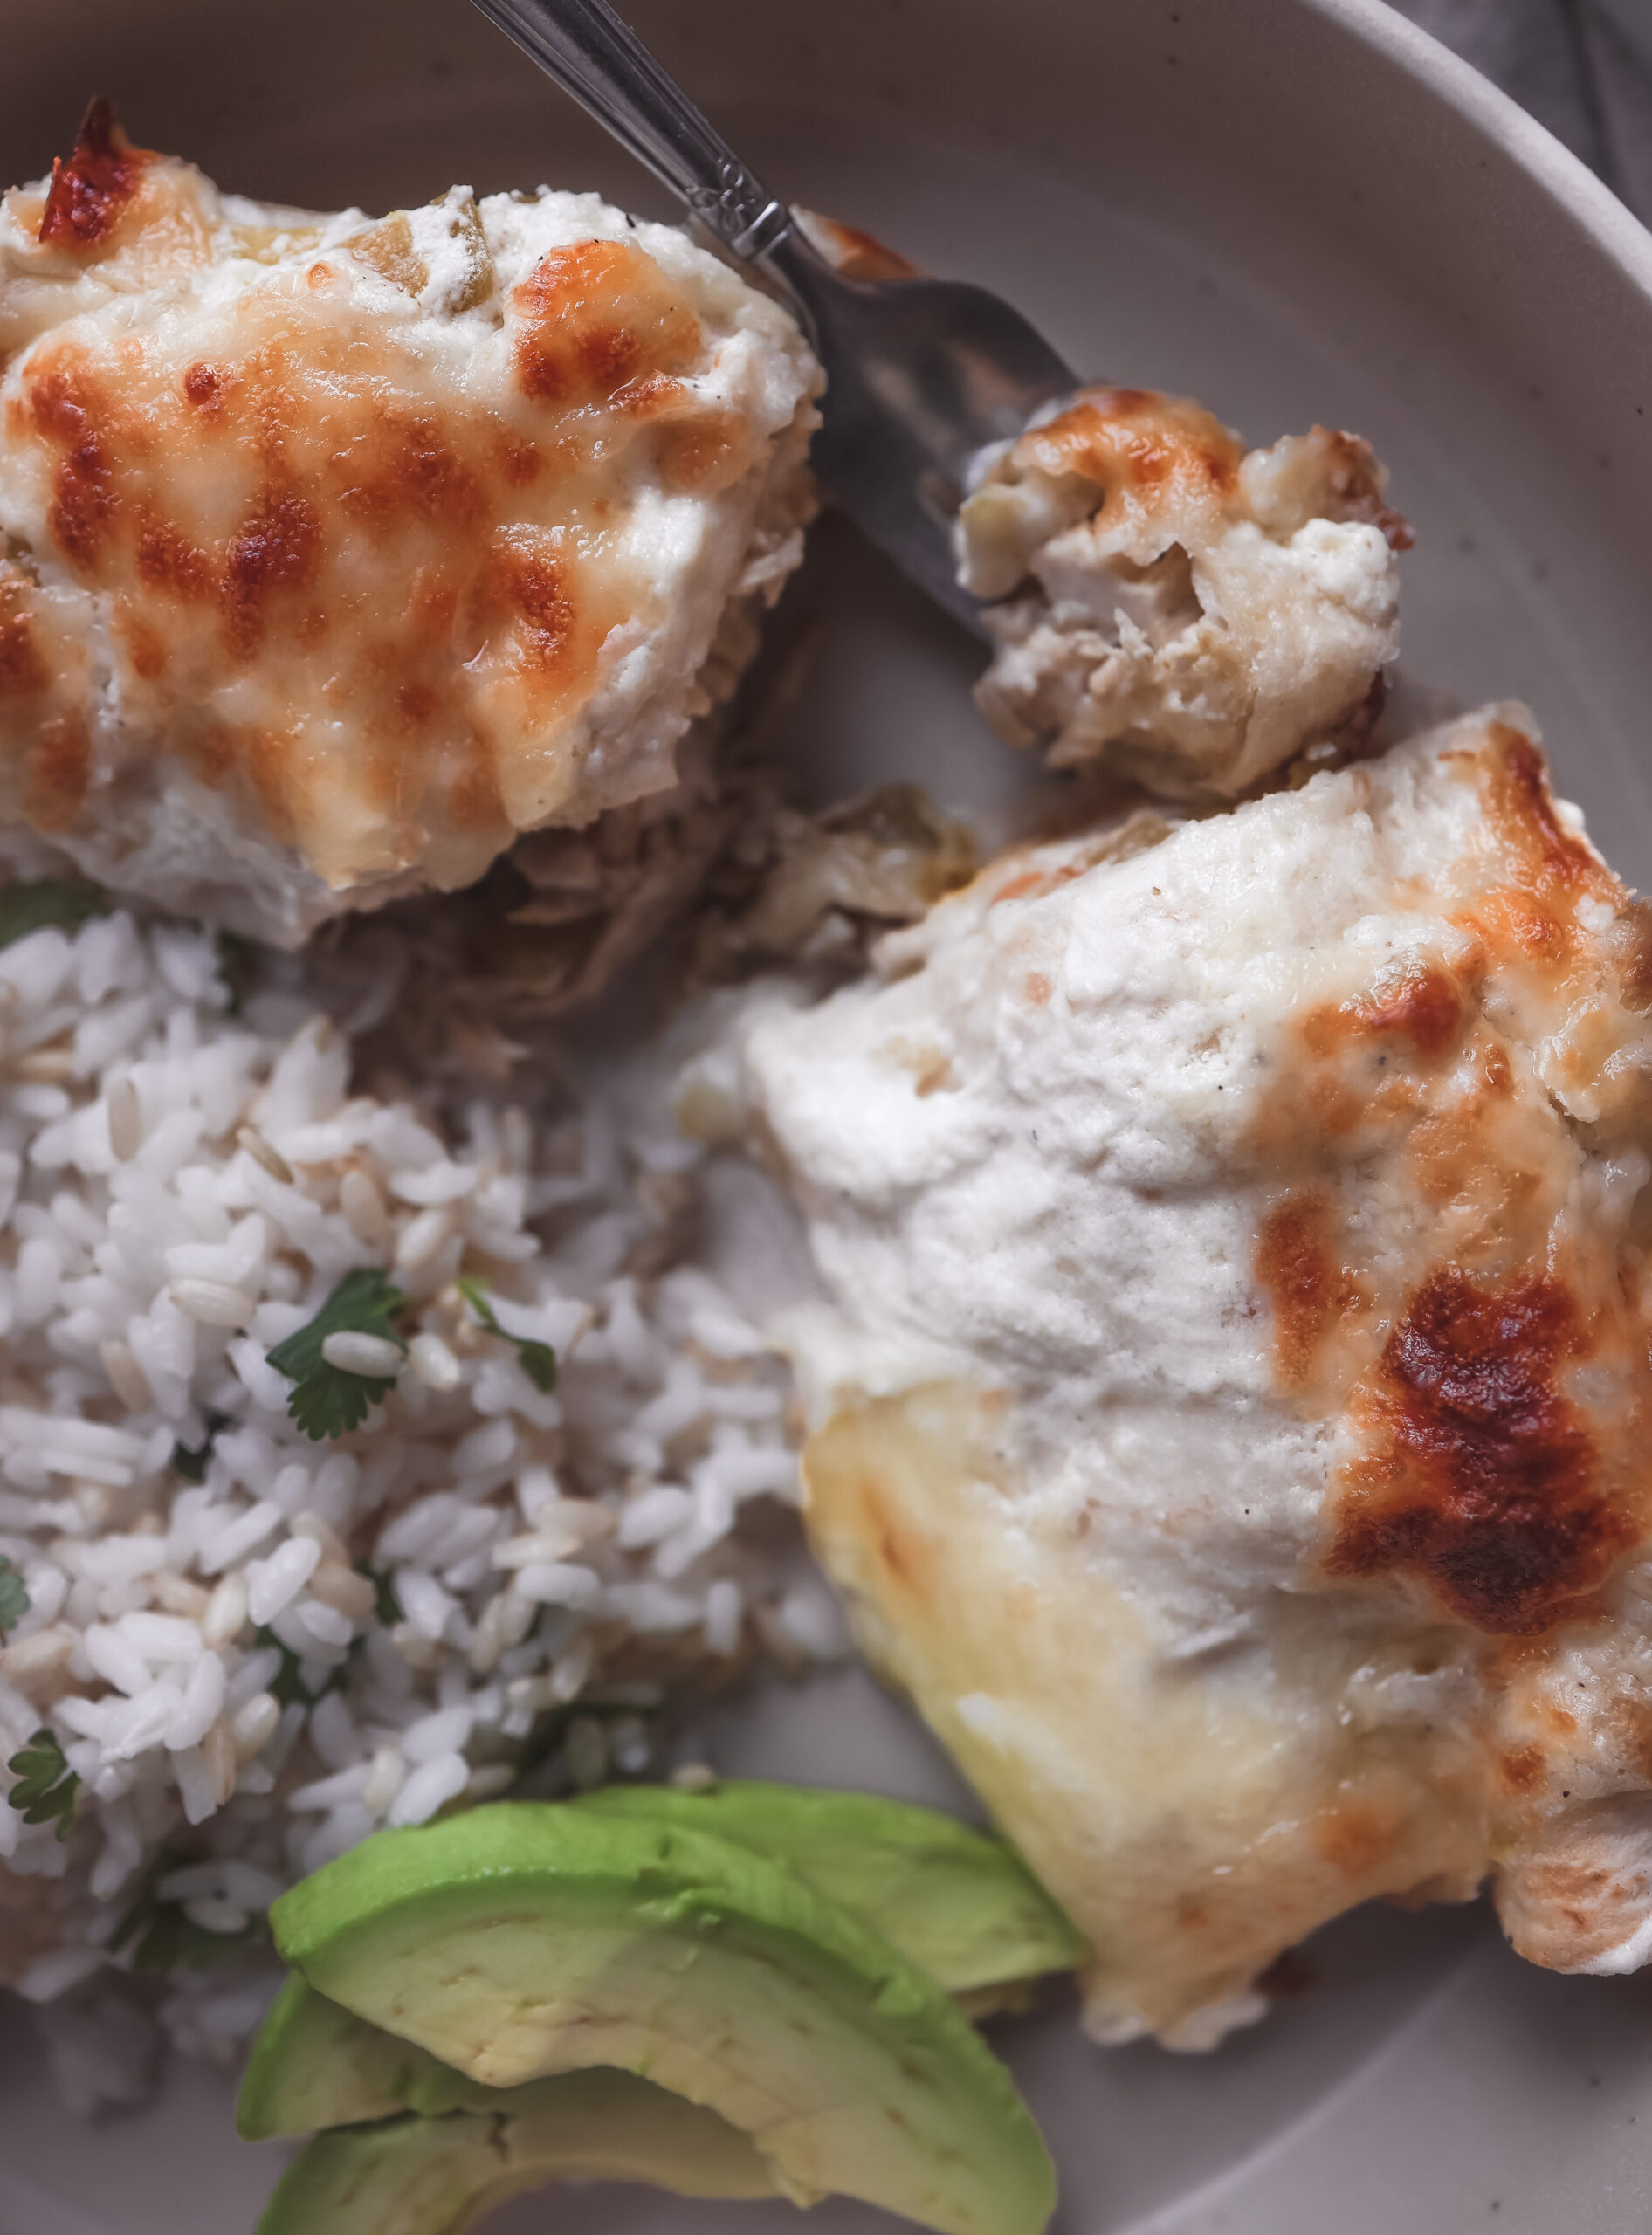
<point>315,2065</point>
<point>525,1939</point>
<point>413,2176</point>
<point>960,1905</point>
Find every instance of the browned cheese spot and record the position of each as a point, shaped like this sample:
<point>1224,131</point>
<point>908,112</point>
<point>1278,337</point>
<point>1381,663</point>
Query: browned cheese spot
<point>415,703</point>
<point>203,385</point>
<point>543,600</point>
<point>211,751</point>
<point>1128,438</point>
<point>594,317</point>
<point>1029,885</point>
<point>1356,487</point>
<point>278,548</point>
<point>1527,914</point>
<point>90,190</point>
<point>1519,925</point>
<point>1521,808</point>
<point>1481,1479</point>
<point>169,563</point>
<point>58,772</point>
<point>1308,1291</point>
<point>1033,883</point>
<point>705,453</point>
<point>1354,1837</point>
<point>83,493</point>
<point>518,462</point>
<point>1520,1768</point>
<point>901,1560</point>
<point>23,672</point>
<point>145,649</point>
<point>1419,1002</point>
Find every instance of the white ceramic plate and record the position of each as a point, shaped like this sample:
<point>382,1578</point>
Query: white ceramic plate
<point>1296,209</point>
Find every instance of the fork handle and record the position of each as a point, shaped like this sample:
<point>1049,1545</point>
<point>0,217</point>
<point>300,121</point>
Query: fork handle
<point>600,60</point>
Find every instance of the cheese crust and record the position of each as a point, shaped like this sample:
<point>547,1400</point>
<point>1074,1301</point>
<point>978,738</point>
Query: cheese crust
<point>337,552</point>
<point>1232,1405</point>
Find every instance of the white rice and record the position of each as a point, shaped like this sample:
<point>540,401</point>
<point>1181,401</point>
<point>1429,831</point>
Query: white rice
<point>182,1188</point>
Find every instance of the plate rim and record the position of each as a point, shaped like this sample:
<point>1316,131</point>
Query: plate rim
<point>1500,122</point>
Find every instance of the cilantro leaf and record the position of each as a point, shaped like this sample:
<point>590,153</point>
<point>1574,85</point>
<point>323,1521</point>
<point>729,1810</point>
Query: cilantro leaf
<point>32,904</point>
<point>46,1785</point>
<point>172,1942</point>
<point>538,1360</point>
<point>13,1599</point>
<point>192,1464</point>
<point>159,1937</point>
<point>387,1607</point>
<point>237,960</point>
<point>326,1401</point>
<point>287,1687</point>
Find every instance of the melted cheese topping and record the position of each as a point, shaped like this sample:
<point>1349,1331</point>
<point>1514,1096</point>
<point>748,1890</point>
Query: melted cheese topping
<point>1233,1405</point>
<point>1185,613</point>
<point>336,554</point>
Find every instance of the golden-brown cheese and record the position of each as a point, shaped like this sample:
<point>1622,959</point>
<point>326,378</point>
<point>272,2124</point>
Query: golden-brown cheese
<point>1477,1476</point>
<point>362,578</point>
<point>1235,1414</point>
<point>1187,613</point>
<point>1240,1831</point>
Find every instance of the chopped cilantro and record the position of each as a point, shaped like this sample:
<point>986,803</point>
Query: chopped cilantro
<point>287,1687</point>
<point>615,1700</point>
<point>387,1607</point>
<point>13,1599</point>
<point>326,1401</point>
<point>31,905</point>
<point>162,1938</point>
<point>46,1785</point>
<point>238,958</point>
<point>192,1464</point>
<point>538,1360</point>
<point>172,1942</point>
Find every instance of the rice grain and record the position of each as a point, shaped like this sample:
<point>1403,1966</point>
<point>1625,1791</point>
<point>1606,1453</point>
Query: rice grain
<point>125,1117</point>
<point>373,1357</point>
<point>255,1648</point>
<point>271,1160</point>
<point>214,1303</point>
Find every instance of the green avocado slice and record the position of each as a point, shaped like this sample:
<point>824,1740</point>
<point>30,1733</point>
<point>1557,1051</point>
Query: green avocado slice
<point>960,1905</point>
<point>313,2064</point>
<point>525,1939</point>
<point>413,2176</point>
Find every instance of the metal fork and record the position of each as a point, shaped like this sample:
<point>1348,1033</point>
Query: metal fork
<point>921,374</point>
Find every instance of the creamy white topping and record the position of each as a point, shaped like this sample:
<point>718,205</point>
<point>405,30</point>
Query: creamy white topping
<point>336,553</point>
<point>1231,1406</point>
